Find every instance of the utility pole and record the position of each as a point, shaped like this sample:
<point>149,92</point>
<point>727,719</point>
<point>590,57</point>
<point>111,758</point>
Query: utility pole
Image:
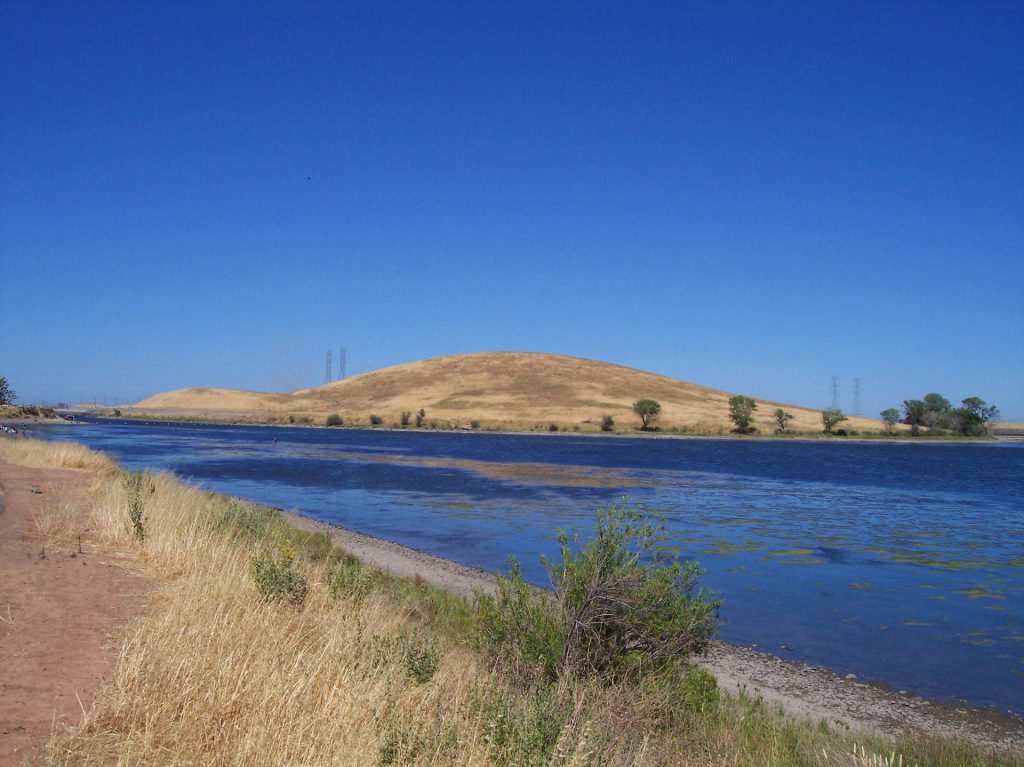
<point>835,392</point>
<point>327,370</point>
<point>341,363</point>
<point>856,396</point>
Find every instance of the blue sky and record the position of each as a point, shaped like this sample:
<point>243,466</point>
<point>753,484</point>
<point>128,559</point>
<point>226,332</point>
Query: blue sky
<point>750,196</point>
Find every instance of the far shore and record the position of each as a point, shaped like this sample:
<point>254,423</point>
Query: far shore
<point>802,691</point>
<point>795,436</point>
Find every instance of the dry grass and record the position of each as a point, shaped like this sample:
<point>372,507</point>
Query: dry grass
<point>60,523</point>
<point>373,672</point>
<point>56,455</point>
<point>518,390</point>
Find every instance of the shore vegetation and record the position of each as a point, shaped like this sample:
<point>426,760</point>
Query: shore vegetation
<point>741,413</point>
<point>648,410</point>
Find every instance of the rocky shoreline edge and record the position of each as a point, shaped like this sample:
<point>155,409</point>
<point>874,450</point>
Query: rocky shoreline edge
<point>801,690</point>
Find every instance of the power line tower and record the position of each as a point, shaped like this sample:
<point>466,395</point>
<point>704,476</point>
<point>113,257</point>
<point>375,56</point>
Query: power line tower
<point>327,370</point>
<point>835,391</point>
<point>341,362</point>
<point>856,396</point>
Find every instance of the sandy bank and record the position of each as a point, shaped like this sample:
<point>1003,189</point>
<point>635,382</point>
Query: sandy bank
<point>802,691</point>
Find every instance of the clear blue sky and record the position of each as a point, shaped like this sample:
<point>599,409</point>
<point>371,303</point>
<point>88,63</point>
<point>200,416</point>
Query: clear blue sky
<point>751,196</point>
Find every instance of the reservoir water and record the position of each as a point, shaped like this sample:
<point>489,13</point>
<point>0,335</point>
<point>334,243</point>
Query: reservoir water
<point>900,563</point>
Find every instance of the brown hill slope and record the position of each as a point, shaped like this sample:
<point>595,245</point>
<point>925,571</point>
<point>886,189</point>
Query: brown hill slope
<point>511,389</point>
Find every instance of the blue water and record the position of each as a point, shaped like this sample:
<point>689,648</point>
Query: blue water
<point>902,564</point>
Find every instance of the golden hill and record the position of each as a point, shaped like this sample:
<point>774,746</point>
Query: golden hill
<point>508,389</point>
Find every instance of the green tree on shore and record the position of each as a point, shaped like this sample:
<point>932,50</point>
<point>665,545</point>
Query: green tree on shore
<point>741,411</point>
<point>890,417</point>
<point>7,395</point>
<point>830,417</point>
<point>782,418</point>
<point>973,418</point>
<point>648,410</point>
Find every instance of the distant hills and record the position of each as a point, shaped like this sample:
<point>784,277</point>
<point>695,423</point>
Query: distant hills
<point>517,390</point>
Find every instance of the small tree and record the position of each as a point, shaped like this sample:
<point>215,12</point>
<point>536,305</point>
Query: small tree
<point>607,423</point>
<point>376,420</point>
<point>782,418</point>
<point>980,410</point>
<point>914,410</point>
<point>648,410</point>
<point>406,416</point>
<point>741,411</point>
<point>7,395</point>
<point>972,419</point>
<point>420,418</point>
<point>830,417</point>
<point>334,420</point>
<point>890,417</point>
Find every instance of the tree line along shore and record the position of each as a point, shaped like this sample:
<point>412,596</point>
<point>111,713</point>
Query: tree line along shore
<point>932,417</point>
<point>267,644</point>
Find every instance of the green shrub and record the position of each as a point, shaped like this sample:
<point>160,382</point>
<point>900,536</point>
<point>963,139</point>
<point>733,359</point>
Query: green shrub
<point>552,427</point>
<point>421,657</point>
<point>521,627</point>
<point>334,420</point>
<point>278,578</point>
<point>416,654</point>
<point>607,423</point>
<point>523,730</point>
<point>420,418</point>
<point>139,488</point>
<point>376,420</point>
<point>348,578</point>
<point>696,692</point>
<point>474,424</point>
<point>405,417</point>
<point>623,604</point>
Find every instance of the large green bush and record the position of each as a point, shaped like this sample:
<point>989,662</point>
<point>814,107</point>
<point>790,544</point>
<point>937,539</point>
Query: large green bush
<point>623,603</point>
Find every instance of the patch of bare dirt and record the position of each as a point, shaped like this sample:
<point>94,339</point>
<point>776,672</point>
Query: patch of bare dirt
<point>58,608</point>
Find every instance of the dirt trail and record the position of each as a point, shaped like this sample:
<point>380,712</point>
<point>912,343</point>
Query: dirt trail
<point>58,610</point>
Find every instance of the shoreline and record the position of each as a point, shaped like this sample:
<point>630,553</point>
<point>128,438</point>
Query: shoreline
<point>636,434</point>
<point>801,690</point>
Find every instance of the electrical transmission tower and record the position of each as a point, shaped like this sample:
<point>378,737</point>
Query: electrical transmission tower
<point>835,391</point>
<point>327,370</point>
<point>856,396</point>
<point>341,362</point>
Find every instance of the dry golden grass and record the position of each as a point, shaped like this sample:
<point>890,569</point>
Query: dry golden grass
<point>503,389</point>
<point>55,455</point>
<point>215,675</point>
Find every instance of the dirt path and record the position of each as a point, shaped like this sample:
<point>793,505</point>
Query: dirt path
<point>57,610</point>
<point>802,691</point>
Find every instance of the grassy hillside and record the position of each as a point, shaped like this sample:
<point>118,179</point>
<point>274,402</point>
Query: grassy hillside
<point>508,389</point>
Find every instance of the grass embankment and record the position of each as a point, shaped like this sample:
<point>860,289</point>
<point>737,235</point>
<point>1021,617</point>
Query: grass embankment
<point>351,666</point>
